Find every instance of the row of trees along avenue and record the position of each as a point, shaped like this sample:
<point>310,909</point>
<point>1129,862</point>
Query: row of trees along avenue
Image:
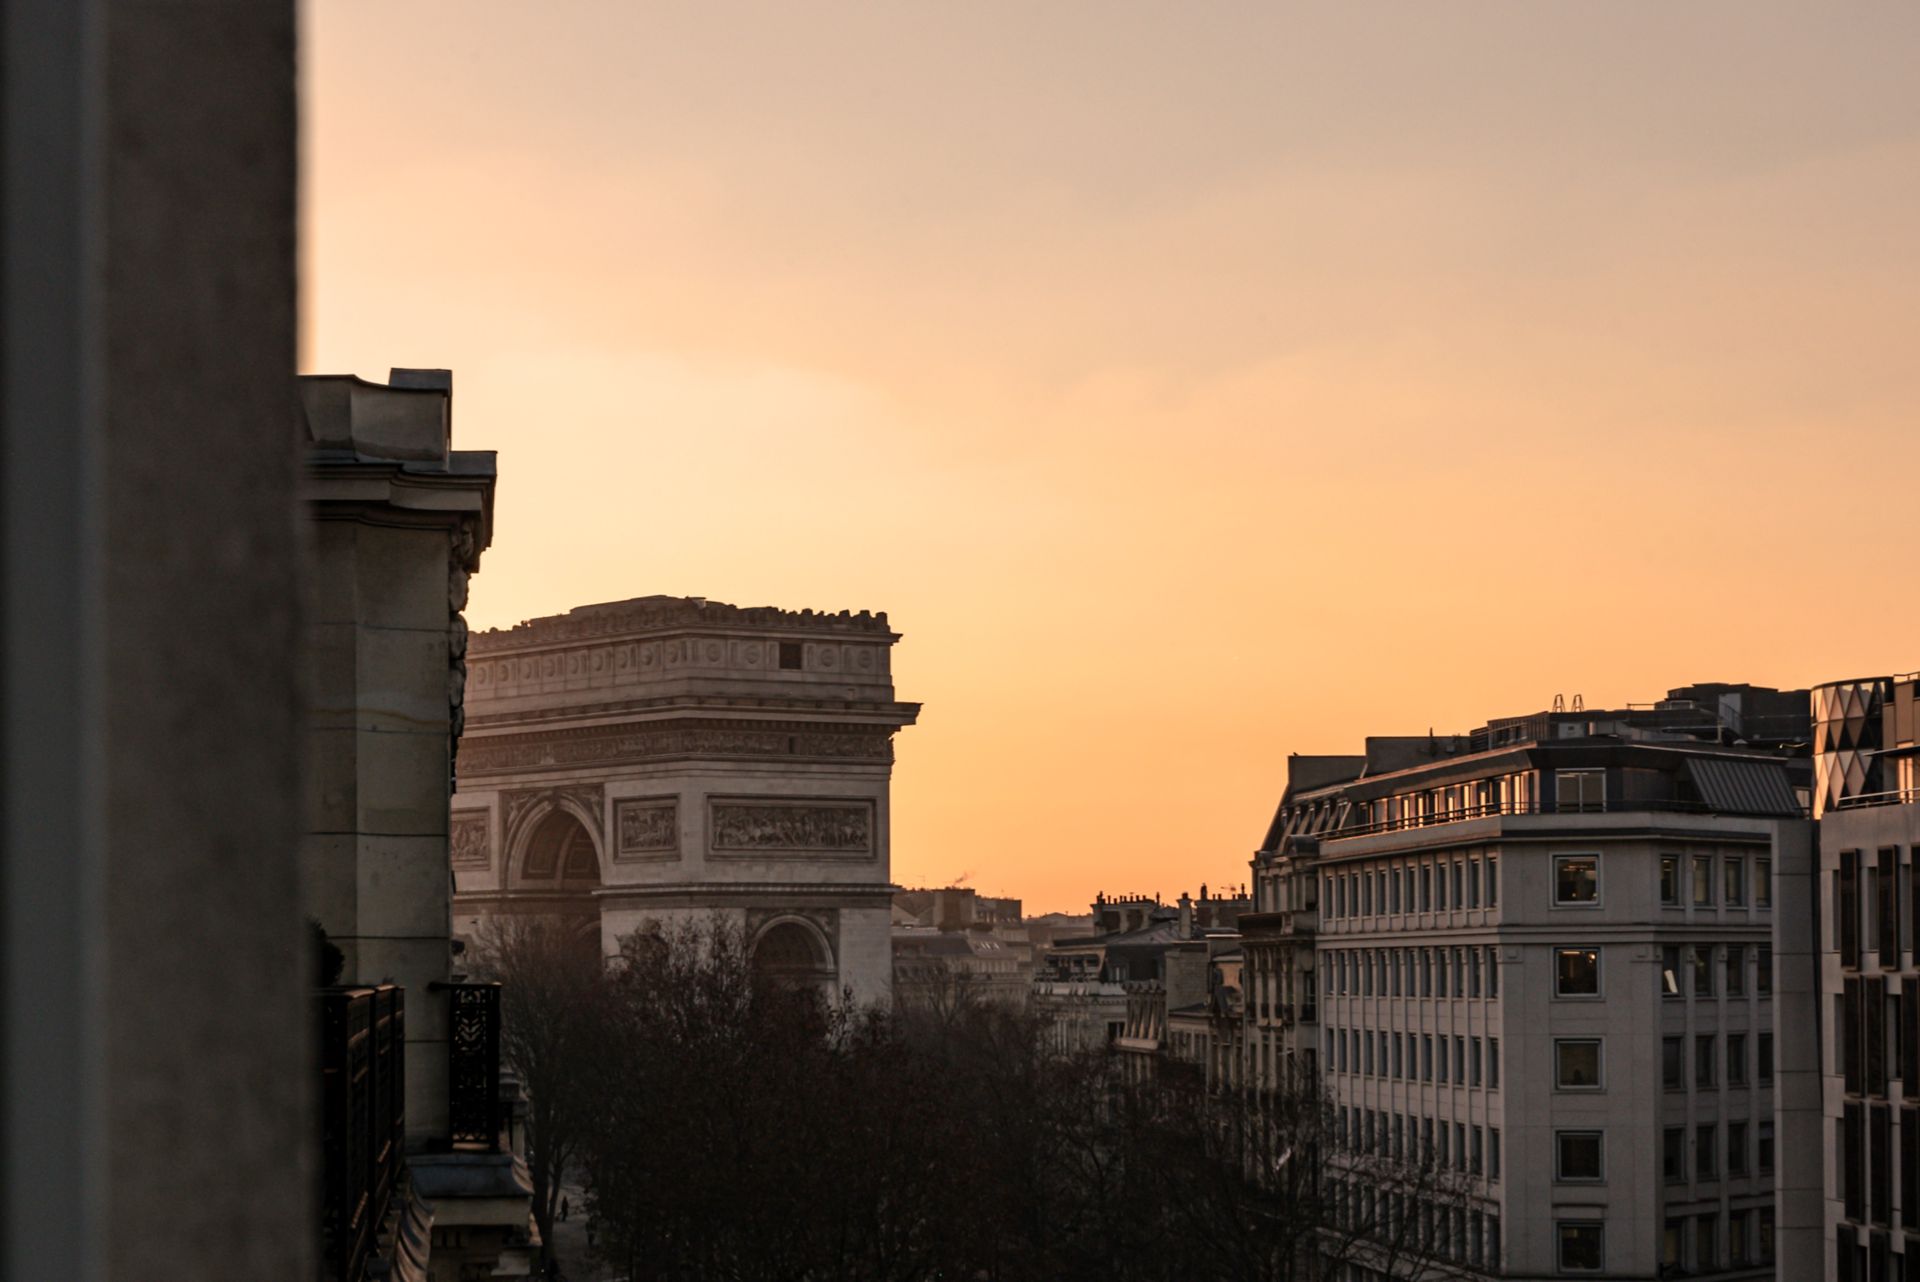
<point>728,1129</point>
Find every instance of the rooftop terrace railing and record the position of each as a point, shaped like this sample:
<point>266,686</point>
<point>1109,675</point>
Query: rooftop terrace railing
<point>1460,814</point>
<point>1890,797</point>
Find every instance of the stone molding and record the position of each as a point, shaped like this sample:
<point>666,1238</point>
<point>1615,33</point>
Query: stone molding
<point>598,745</point>
<point>531,671</point>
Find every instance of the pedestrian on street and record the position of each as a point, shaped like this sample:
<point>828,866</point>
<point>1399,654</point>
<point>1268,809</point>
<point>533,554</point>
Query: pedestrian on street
<point>563,1207</point>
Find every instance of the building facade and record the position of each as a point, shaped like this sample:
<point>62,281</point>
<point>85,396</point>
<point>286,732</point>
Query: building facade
<point>664,759</point>
<point>419,1181</point>
<point>1540,955</point>
<point>1856,1218</point>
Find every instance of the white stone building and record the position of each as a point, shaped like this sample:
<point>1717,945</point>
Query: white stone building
<point>1540,955</point>
<point>667,758</point>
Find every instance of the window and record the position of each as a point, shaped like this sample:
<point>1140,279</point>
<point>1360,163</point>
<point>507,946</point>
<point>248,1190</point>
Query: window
<point>1576,1063</point>
<point>1579,791</point>
<point>1736,1148</point>
<point>1582,1245</point>
<point>1670,970</point>
<point>1426,888</point>
<point>1426,1057</point>
<point>1673,1154</point>
<point>1670,879</point>
<point>1493,1062</point>
<point>1473,883</point>
<point>1733,881</point>
<point>1736,1059</point>
<point>1763,883</point>
<point>1764,1072</point>
<point>1703,1060</point>
<point>1703,1151</point>
<point>1706,1232</point>
<point>790,654</point>
<point>1576,879</point>
<point>1576,972</point>
<point>1766,1147</point>
<point>1473,1063</point>
<point>1672,1234</point>
<point>1443,1060</point>
<point>1703,881</point>
<point>1763,970</point>
<point>1473,972</point>
<point>1673,1054</point>
<point>1577,1155</point>
<point>1493,973</point>
<point>1493,882</point>
<point>1493,1159</point>
<point>1459,1059</point>
<point>1736,969</point>
<point>1459,899</point>
<point>1737,1249</point>
<point>1701,964</point>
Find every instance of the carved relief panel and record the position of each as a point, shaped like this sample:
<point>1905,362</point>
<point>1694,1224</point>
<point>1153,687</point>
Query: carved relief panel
<point>468,842</point>
<point>779,828</point>
<point>646,828</point>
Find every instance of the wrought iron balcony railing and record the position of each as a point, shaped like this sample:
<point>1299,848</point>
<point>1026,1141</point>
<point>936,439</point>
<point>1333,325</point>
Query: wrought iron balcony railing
<point>363,1042</point>
<point>473,1065</point>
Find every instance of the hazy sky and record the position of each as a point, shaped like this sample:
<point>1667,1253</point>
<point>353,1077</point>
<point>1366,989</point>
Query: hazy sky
<point>1193,384</point>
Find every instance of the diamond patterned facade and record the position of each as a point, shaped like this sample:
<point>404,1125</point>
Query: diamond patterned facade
<point>1847,738</point>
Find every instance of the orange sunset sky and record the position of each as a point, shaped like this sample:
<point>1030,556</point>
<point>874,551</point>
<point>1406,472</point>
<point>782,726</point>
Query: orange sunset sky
<point>1192,383</point>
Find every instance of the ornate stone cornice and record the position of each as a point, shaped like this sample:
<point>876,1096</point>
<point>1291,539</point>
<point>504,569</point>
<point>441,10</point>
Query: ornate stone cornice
<point>654,614</point>
<point>666,741</point>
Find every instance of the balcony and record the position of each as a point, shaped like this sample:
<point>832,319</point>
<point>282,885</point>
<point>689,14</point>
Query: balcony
<point>473,1067</point>
<point>363,1048</point>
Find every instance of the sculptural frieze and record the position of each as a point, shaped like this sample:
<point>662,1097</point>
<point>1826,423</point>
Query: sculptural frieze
<point>647,828</point>
<point>788,826</point>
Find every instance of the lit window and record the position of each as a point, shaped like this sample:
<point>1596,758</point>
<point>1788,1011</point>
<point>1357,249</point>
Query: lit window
<point>1582,1245</point>
<point>1703,881</point>
<point>1670,970</point>
<point>1576,879</point>
<point>1576,1064</point>
<point>1700,962</point>
<point>1576,972</point>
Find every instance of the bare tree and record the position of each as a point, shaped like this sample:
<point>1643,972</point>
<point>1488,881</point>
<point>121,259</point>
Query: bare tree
<point>744,1130</point>
<point>553,1006</point>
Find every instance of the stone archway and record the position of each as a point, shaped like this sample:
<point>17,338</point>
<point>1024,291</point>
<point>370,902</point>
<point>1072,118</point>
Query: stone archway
<point>791,952</point>
<point>558,863</point>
